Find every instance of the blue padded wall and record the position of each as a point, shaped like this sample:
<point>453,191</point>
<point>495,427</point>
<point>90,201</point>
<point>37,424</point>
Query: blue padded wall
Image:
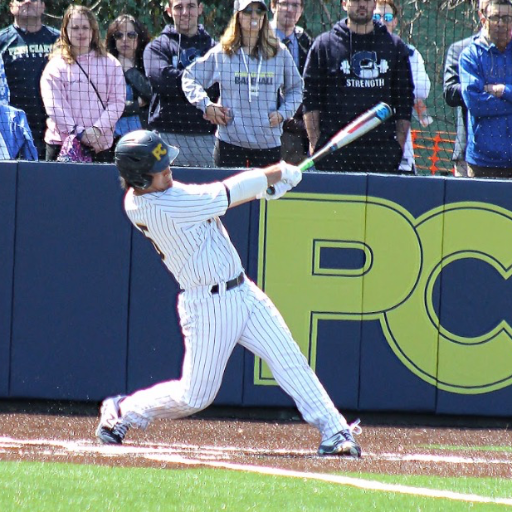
<point>386,383</point>
<point>71,280</point>
<point>477,299</point>
<point>337,351</point>
<point>7,214</point>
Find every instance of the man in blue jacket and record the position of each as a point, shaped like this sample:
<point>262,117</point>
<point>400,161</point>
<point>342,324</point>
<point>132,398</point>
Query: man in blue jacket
<point>348,70</point>
<point>180,123</point>
<point>486,82</point>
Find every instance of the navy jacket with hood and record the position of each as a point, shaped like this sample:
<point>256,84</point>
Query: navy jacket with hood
<point>348,73</point>
<point>165,59</point>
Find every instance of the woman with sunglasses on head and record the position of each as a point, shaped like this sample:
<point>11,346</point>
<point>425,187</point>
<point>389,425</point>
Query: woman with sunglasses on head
<point>126,39</point>
<point>82,87</point>
<point>260,87</point>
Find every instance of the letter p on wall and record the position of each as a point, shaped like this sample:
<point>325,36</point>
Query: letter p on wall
<point>334,256</point>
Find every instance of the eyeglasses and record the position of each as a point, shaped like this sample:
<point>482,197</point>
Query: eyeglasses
<point>388,17</point>
<point>289,6</point>
<point>495,18</point>
<point>258,10</point>
<point>130,35</point>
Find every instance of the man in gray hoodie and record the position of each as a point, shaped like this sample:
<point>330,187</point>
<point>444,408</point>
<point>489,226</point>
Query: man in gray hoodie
<point>165,60</point>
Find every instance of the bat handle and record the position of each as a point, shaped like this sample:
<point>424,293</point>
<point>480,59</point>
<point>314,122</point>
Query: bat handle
<point>303,166</point>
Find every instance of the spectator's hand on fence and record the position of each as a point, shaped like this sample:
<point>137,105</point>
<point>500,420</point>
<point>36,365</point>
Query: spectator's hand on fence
<point>496,90</point>
<point>217,114</point>
<point>275,119</point>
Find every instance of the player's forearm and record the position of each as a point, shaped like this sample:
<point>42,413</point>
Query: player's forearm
<point>245,186</point>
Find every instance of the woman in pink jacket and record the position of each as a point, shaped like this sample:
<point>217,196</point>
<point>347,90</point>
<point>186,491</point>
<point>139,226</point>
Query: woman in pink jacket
<point>83,87</point>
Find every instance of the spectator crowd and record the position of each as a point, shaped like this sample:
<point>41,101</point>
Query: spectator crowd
<point>266,90</point>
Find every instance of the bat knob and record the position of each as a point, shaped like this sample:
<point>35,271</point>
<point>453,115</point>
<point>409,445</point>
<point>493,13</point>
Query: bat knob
<point>271,190</point>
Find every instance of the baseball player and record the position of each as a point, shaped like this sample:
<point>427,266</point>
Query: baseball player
<point>219,306</point>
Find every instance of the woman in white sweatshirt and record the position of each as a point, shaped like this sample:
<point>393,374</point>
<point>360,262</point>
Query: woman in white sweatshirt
<point>260,87</point>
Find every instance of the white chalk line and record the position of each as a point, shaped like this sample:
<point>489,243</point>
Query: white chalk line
<point>204,455</point>
<point>360,483</point>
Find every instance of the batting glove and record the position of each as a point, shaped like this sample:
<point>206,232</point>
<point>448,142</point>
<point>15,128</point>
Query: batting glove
<point>280,190</point>
<point>290,173</point>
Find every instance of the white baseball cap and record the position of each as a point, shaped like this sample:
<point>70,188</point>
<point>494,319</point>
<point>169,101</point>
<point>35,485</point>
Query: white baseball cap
<point>240,5</point>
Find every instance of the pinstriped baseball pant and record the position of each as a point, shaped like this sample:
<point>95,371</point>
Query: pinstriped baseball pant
<point>212,325</point>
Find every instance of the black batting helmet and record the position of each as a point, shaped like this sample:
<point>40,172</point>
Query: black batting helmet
<point>141,153</point>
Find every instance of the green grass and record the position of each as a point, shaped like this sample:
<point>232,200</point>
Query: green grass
<point>468,448</point>
<point>41,487</point>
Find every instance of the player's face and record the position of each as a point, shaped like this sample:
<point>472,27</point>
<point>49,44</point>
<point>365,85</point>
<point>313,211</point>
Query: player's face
<point>497,22</point>
<point>126,39</point>
<point>161,181</point>
<point>79,33</point>
<point>385,11</point>
<point>185,14</point>
<point>359,12</point>
<point>27,8</point>
<point>287,13</point>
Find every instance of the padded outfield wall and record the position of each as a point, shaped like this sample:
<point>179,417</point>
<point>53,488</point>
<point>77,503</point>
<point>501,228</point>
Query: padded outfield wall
<point>396,288</point>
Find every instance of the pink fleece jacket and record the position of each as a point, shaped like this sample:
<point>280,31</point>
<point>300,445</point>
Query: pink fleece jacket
<point>71,102</point>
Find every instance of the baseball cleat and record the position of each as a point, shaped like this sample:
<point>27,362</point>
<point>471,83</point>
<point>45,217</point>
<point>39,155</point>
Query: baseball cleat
<point>342,443</point>
<point>111,429</point>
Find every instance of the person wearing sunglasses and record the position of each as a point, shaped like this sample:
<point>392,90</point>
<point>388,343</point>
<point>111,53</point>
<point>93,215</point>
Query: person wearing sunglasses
<point>452,95</point>
<point>83,88</point>
<point>386,12</point>
<point>294,141</point>
<point>260,87</point>
<point>350,69</point>
<point>486,86</point>
<point>165,59</point>
<point>126,40</point>
<point>24,67</point>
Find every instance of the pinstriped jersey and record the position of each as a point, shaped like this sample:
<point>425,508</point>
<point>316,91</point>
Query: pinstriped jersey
<point>183,224</point>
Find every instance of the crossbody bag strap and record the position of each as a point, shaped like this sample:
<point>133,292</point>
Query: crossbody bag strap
<point>93,86</point>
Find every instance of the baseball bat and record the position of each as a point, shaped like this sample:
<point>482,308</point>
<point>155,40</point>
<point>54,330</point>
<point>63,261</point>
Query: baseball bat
<point>354,130</point>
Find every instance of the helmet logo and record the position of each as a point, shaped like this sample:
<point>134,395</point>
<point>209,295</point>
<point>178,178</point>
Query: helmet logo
<point>159,152</point>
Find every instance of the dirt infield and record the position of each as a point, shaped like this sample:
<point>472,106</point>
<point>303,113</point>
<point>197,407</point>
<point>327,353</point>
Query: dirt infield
<point>64,432</point>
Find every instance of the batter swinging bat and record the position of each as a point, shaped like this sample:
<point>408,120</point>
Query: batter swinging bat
<point>357,128</point>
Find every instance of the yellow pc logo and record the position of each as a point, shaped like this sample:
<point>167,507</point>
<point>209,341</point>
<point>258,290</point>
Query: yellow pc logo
<point>159,152</point>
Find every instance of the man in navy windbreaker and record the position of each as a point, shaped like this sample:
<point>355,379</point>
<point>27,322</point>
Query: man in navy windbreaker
<point>486,81</point>
<point>350,69</point>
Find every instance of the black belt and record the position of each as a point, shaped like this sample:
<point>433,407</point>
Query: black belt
<point>237,281</point>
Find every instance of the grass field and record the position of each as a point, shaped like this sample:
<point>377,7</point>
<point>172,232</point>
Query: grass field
<point>42,487</point>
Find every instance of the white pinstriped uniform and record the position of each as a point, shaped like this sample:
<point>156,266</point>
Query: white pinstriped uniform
<point>183,223</point>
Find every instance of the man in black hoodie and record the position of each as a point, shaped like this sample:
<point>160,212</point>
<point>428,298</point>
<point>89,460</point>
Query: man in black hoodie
<point>350,69</point>
<point>180,123</point>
